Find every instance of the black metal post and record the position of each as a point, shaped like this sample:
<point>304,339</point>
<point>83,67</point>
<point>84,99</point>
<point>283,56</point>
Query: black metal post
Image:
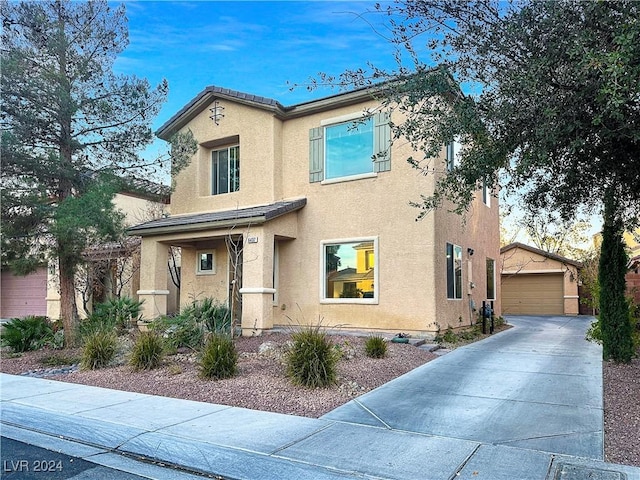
<point>492,317</point>
<point>484,317</point>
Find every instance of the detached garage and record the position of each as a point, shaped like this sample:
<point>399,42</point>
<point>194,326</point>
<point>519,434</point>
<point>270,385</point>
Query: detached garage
<point>535,282</point>
<point>22,296</point>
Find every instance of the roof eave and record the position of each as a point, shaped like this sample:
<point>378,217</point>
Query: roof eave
<point>213,225</point>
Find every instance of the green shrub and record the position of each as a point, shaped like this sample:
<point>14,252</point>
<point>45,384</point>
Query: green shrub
<point>447,337</point>
<point>212,315</point>
<point>179,331</point>
<point>375,347</point>
<point>123,312</point>
<point>147,351</point>
<point>59,360</point>
<point>219,358</point>
<point>28,333</point>
<point>311,360</point>
<point>99,349</point>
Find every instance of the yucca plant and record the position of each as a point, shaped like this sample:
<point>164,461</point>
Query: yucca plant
<point>311,360</point>
<point>147,352</point>
<point>99,349</point>
<point>28,333</point>
<point>219,358</point>
<point>375,347</point>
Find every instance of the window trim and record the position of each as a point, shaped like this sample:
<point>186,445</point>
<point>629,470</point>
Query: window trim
<point>486,194</point>
<point>376,272</point>
<point>213,262</point>
<point>452,156</point>
<point>453,271</point>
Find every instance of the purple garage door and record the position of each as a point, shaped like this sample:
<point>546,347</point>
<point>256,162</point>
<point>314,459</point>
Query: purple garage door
<point>22,296</point>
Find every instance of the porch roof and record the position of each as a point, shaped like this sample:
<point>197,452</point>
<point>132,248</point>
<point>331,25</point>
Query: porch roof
<point>220,219</point>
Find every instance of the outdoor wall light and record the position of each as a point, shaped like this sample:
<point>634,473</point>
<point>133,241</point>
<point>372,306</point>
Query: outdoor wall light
<point>470,251</point>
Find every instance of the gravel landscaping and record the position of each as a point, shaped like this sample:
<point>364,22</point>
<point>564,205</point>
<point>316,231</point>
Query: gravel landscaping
<point>262,384</point>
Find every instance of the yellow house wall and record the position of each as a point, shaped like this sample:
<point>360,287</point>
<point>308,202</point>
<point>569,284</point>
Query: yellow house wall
<point>274,158</point>
<point>518,260</point>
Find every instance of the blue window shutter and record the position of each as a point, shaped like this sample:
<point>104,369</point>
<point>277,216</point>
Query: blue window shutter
<point>382,142</point>
<point>316,154</point>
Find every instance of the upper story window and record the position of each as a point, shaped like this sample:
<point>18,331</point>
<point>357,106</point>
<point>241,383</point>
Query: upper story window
<point>349,147</point>
<point>486,193</point>
<point>454,148</point>
<point>225,170</point>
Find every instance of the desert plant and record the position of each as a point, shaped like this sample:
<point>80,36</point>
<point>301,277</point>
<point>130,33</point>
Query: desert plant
<point>59,360</point>
<point>122,312</point>
<point>99,349</point>
<point>211,314</point>
<point>219,358</point>
<point>28,333</point>
<point>147,351</point>
<point>179,331</point>
<point>311,360</point>
<point>375,347</point>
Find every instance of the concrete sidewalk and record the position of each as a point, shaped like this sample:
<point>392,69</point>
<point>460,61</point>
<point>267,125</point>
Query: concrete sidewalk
<point>524,404</point>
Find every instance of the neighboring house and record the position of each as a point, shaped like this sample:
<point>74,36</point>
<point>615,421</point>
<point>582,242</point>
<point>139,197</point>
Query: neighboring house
<point>535,282</point>
<point>113,267</point>
<point>633,279</point>
<point>302,212</point>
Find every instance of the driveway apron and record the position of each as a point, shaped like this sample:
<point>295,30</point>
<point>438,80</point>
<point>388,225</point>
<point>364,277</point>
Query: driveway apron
<point>536,386</point>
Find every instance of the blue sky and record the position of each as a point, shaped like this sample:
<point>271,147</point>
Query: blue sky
<point>255,47</point>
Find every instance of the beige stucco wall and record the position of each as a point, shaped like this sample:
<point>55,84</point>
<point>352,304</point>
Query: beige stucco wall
<point>411,263</point>
<point>519,260</point>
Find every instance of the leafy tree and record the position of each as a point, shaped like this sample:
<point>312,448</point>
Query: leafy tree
<point>553,103</point>
<point>547,231</point>
<point>68,124</point>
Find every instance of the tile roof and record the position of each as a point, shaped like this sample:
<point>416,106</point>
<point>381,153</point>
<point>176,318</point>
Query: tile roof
<point>553,256</point>
<point>219,219</point>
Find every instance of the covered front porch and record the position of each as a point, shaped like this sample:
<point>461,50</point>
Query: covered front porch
<point>227,255</point>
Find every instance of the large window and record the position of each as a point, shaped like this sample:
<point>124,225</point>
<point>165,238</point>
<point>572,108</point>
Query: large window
<point>225,170</point>
<point>491,279</point>
<point>350,147</point>
<point>349,273</point>
<point>454,271</point>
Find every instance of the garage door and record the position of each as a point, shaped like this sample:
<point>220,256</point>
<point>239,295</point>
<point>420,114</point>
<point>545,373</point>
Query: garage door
<point>22,296</point>
<point>533,294</point>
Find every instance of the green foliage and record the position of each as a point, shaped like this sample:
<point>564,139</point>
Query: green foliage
<point>99,349</point>
<point>188,329</point>
<point>122,313</point>
<point>375,347</point>
<point>147,352</point>
<point>447,337</point>
<point>615,327</point>
<point>213,315</point>
<point>311,360</point>
<point>219,358</point>
<point>68,120</point>
<point>28,333</point>
<point>179,331</point>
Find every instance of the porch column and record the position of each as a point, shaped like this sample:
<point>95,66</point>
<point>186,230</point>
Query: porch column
<point>153,278</point>
<point>257,282</point>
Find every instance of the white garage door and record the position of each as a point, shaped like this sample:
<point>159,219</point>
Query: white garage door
<point>22,296</point>
<point>533,294</point>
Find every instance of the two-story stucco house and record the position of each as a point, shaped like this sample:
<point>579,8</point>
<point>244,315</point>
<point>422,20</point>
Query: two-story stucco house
<point>304,211</point>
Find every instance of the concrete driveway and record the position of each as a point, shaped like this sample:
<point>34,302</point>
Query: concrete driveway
<point>536,386</point>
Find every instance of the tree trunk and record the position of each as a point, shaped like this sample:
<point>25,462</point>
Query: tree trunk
<point>617,340</point>
<point>68,308</point>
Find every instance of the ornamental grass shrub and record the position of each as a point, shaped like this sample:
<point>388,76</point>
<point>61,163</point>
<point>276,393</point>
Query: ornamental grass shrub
<point>219,358</point>
<point>147,352</point>
<point>99,349</point>
<point>375,347</point>
<point>311,360</point>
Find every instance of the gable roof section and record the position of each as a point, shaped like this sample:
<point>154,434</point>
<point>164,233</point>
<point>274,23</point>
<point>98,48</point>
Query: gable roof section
<point>552,256</point>
<point>211,93</point>
<point>214,220</point>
